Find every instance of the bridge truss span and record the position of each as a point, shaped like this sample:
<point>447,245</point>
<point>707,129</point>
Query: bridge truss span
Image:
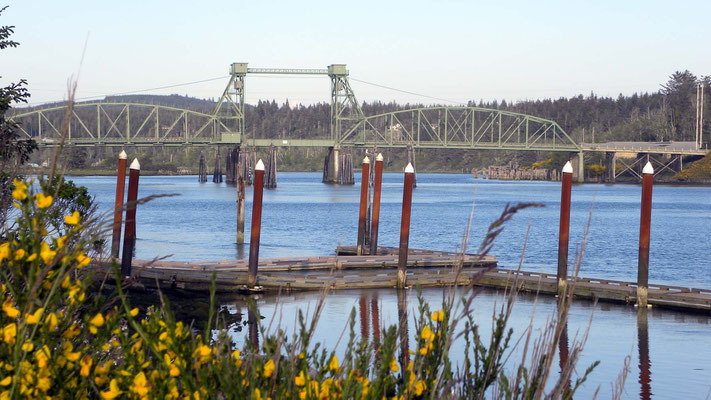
<point>459,127</point>
<point>120,124</point>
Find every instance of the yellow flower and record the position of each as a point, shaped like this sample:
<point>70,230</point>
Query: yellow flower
<point>235,356</point>
<point>113,391</point>
<point>19,254</point>
<point>42,356</point>
<point>426,333</point>
<point>140,385</point>
<point>20,192</point>
<point>419,387</point>
<point>4,251</point>
<point>43,201</point>
<point>85,364</point>
<point>10,309</point>
<point>174,371</point>
<point>96,322</point>
<point>46,253</point>
<point>34,318</point>
<point>393,365</point>
<point>423,351</point>
<point>51,320</point>
<point>31,258</point>
<point>134,312</point>
<point>333,365</point>
<point>268,368</point>
<point>300,380</point>
<point>257,394</point>
<point>438,316</point>
<point>7,381</point>
<point>72,219</point>
<point>83,260</point>
<point>27,346</point>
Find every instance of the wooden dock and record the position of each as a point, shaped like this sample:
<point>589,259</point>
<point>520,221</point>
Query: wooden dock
<point>424,268</point>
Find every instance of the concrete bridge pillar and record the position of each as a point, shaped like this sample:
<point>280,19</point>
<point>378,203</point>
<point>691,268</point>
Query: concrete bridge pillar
<point>679,163</point>
<point>578,161</point>
<point>338,166</point>
<point>610,164</point>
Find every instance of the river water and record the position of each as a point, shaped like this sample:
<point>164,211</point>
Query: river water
<point>304,217</point>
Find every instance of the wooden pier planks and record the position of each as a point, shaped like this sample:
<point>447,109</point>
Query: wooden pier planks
<point>425,268</point>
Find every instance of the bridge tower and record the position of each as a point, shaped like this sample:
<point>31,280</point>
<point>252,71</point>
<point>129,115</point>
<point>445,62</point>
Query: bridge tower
<point>345,110</point>
<point>230,108</point>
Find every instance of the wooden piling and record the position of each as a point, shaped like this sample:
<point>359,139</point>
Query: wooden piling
<point>202,169</point>
<point>129,236</point>
<point>118,205</point>
<point>411,160</point>
<point>405,226</point>
<point>240,206</point>
<point>376,204</point>
<point>270,172</point>
<point>256,222</point>
<point>363,199</point>
<point>564,231</point>
<point>217,173</point>
<point>645,221</point>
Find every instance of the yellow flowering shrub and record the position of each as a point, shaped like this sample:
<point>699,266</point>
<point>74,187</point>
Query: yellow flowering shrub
<point>60,338</point>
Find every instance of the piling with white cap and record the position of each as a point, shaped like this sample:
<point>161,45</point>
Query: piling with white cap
<point>256,222</point>
<point>118,205</point>
<point>129,236</point>
<point>645,221</point>
<point>564,230</point>
<point>405,226</point>
<point>377,186</point>
<point>364,188</point>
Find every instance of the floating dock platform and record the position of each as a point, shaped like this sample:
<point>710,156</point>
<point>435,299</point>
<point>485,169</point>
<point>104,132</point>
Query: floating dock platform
<point>425,268</point>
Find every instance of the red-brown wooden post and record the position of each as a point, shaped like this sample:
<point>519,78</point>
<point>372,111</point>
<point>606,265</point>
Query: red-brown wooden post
<point>256,222</point>
<point>405,226</point>
<point>564,232</point>
<point>645,221</point>
<point>118,205</point>
<point>375,219</point>
<point>129,235</point>
<point>364,186</point>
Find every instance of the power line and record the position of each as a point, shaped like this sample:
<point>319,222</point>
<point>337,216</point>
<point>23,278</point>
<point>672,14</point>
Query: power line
<point>405,91</point>
<point>140,90</point>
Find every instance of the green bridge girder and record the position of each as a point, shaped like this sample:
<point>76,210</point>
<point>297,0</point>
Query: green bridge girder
<point>444,127</point>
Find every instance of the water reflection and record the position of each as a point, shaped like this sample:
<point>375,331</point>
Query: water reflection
<point>403,330</point>
<point>564,354</point>
<point>645,375</point>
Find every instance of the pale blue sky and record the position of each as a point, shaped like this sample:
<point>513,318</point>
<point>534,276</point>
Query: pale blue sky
<point>456,50</point>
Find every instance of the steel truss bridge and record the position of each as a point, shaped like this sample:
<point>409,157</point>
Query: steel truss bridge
<point>134,124</point>
<point>439,127</point>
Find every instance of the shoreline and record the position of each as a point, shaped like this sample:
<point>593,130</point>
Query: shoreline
<point>101,172</point>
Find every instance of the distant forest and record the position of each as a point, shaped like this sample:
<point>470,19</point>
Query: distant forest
<point>668,114</point>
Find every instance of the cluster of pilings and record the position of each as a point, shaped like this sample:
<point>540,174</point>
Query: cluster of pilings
<point>338,166</point>
<point>217,173</point>
<point>202,171</point>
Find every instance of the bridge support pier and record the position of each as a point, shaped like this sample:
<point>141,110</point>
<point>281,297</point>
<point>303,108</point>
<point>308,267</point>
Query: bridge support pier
<point>610,164</point>
<point>217,173</point>
<point>246,159</point>
<point>202,169</point>
<point>338,166</point>
<point>578,161</point>
<point>270,171</point>
<point>231,165</point>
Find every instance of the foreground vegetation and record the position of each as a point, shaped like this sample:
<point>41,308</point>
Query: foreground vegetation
<point>60,339</point>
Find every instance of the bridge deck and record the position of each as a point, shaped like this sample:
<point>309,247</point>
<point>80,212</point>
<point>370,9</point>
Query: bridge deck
<point>425,268</point>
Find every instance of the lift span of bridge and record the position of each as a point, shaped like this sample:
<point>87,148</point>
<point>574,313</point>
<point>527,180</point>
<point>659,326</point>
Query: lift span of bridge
<point>439,127</point>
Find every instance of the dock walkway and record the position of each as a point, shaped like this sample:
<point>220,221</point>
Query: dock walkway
<point>424,268</point>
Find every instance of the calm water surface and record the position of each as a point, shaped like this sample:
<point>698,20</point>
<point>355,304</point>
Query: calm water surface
<point>305,217</point>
